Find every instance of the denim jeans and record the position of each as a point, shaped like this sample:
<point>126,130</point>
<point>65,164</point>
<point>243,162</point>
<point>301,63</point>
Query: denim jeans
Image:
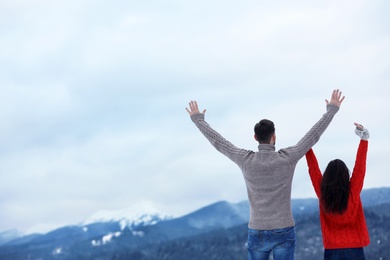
<point>344,254</point>
<point>281,242</point>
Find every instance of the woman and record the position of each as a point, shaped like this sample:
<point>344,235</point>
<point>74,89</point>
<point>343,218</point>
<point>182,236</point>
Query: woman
<point>343,225</point>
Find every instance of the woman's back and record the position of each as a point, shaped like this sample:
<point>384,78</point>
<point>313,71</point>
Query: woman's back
<point>347,229</point>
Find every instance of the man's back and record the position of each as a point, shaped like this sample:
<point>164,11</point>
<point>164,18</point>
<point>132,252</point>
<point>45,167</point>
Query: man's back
<point>268,176</point>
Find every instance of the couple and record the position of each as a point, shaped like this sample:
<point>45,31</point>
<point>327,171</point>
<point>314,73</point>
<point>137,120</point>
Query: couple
<point>268,177</point>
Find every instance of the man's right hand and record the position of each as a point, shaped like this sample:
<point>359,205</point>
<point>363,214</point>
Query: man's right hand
<point>336,98</point>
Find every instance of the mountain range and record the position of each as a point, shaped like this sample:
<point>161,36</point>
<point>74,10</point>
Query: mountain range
<point>216,231</point>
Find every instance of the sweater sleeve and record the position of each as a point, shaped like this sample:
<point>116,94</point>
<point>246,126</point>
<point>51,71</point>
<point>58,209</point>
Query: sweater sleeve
<point>359,169</point>
<point>311,138</point>
<point>314,171</point>
<point>235,154</point>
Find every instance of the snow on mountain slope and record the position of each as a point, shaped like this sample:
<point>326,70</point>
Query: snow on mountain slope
<point>132,217</point>
<point>9,235</point>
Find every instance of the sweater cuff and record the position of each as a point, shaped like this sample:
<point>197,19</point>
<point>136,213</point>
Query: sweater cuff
<point>332,108</point>
<point>196,117</point>
<point>362,133</point>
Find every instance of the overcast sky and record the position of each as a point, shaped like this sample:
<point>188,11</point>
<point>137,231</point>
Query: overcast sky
<point>93,97</point>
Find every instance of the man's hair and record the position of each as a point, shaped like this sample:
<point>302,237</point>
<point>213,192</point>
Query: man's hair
<point>335,187</point>
<point>264,131</point>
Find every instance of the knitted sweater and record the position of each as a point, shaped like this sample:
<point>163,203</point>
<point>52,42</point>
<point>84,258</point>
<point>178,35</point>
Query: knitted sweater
<point>347,230</point>
<point>268,173</point>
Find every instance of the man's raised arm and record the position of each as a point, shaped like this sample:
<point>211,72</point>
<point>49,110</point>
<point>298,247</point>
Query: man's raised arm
<point>314,134</point>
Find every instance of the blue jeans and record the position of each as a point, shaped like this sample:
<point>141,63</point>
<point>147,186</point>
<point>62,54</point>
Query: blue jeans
<point>280,241</point>
<point>344,254</point>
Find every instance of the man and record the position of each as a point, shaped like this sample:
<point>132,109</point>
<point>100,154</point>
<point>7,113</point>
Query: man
<point>268,177</point>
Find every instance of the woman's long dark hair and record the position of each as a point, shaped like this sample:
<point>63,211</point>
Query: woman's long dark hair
<point>335,187</point>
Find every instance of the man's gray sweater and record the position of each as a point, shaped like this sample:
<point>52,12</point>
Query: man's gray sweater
<point>268,174</point>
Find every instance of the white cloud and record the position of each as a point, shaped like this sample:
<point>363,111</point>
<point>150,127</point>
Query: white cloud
<point>93,94</point>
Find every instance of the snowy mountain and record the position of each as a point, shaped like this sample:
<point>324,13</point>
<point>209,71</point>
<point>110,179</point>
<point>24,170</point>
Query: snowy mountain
<point>9,235</point>
<point>139,215</point>
<point>142,232</point>
<point>97,230</point>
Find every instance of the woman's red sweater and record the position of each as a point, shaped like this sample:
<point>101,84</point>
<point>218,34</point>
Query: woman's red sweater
<point>347,230</point>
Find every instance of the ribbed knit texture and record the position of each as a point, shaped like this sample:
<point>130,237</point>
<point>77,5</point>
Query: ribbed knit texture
<point>268,174</point>
<point>347,230</point>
